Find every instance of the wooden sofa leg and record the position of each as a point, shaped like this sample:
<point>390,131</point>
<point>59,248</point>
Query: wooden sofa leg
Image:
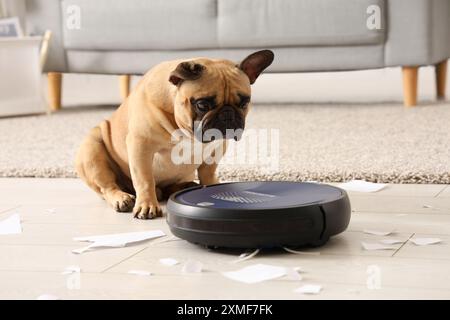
<point>54,90</point>
<point>410,86</point>
<point>441,79</point>
<point>124,80</point>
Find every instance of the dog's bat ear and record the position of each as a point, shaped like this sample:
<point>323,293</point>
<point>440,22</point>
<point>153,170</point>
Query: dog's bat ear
<point>188,70</point>
<point>255,63</point>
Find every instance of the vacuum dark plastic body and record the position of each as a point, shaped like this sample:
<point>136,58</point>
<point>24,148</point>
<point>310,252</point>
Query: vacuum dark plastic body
<point>259,214</point>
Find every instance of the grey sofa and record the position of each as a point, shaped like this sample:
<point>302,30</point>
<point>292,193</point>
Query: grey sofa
<point>128,37</point>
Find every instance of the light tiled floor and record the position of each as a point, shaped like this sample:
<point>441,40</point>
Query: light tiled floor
<point>31,263</point>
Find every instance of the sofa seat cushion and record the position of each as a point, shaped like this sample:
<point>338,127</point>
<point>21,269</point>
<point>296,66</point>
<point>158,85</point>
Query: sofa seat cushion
<point>140,24</point>
<point>256,23</point>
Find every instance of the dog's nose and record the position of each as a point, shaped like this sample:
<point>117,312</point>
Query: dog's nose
<point>227,114</point>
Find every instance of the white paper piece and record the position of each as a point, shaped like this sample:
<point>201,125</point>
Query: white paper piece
<point>309,289</point>
<point>429,206</point>
<point>299,269</point>
<point>123,237</point>
<point>71,269</point>
<point>294,274</point>
<point>362,186</point>
<point>246,256</point>
<point>378,232</point>
<point>309,253</point>
<point>192,266</point>
<point>117,240</point>
<point>391,241</point>
<point>425,241</point>
<point>256,273</point>
<point>168,262</point>
<point>140,272</point>
<point>11,225</point>
<point>47,297</point>
<point>51,210</point>
<point>377,246</point>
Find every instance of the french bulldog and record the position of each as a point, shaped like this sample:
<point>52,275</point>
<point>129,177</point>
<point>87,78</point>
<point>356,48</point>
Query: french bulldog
<point>127,158</point>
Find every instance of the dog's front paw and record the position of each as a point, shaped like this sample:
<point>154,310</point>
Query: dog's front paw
<point>146,210</point>
<point>120,201</point>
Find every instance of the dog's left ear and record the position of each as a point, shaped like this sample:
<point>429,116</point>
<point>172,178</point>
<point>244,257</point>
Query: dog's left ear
<point>255,63</point>
<point>188,70</point>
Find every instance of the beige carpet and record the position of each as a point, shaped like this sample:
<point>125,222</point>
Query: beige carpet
<point>383,143</point>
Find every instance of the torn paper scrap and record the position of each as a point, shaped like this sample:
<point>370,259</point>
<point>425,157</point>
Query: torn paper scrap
<point>47,297</point>
<point>169,262</point>
<point>362,186</point>
<point>192,266</point>
<point>299,269</point>
<point>377,246</point>
<point>309,289</point>
<point>71,269</point>
<point>310,253</point>
<point>117,240</point>
<point>425,241</point>
<point>391,241</point>
<point>124,237</point>
<point>140,272</point>
<point>256,273</point>
<point>11,225</point>
<point>84,249</point>
<point>429,206</point>
<point>378,232</point>
<point>246,256</point>
<point>51,210</point>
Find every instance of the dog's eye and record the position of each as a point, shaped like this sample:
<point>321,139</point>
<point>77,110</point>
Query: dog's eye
<point>244,102</point>
<point>203,106</point>
<point>244,105</point>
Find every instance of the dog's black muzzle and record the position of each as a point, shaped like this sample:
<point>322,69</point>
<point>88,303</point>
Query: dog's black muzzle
<point>227,123</point>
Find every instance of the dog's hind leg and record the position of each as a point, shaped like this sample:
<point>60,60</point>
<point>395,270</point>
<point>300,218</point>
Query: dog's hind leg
<point>96,168</point>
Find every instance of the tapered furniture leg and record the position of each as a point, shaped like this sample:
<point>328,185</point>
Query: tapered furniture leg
<point>124,85</point>
<point>441,79</point>
<point>54,90</point>
<point>410,86</point>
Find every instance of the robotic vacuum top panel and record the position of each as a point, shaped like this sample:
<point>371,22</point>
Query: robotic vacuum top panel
<point>258,195</point>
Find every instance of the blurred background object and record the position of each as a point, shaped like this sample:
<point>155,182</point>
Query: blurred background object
<point>127,38</point>
<point>14,8</point>
<point>21,63</point>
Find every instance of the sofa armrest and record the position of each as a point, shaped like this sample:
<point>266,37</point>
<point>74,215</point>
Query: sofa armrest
<point>42,15</point>
<point>418,32</point>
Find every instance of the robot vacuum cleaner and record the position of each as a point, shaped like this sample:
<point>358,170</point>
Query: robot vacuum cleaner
<point>259,214</point>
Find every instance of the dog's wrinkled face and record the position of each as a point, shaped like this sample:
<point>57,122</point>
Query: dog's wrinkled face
<point>213,96</point>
